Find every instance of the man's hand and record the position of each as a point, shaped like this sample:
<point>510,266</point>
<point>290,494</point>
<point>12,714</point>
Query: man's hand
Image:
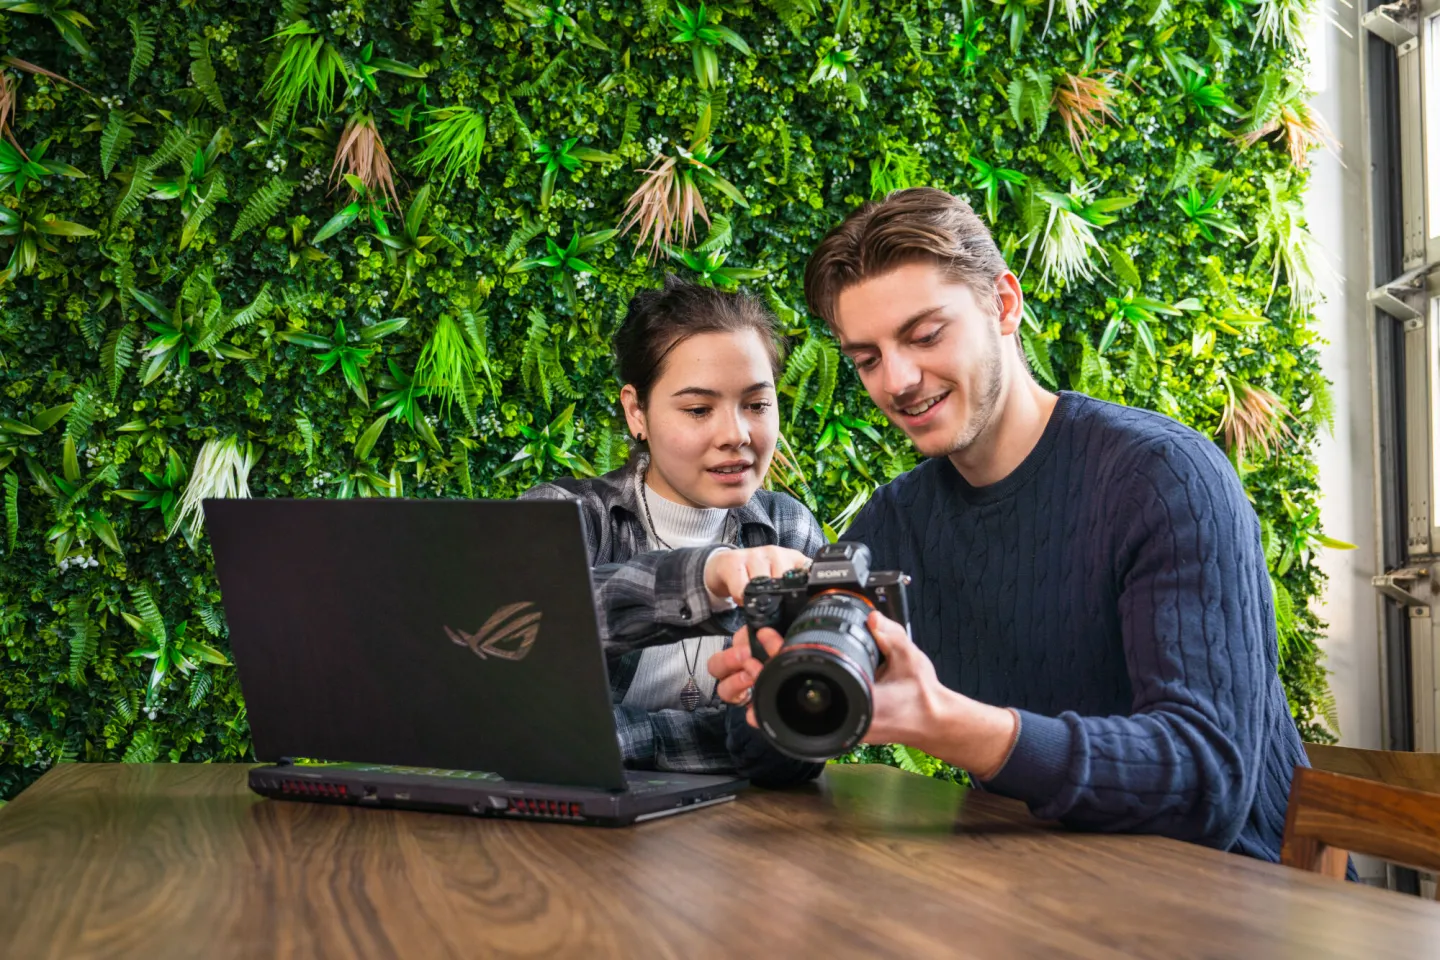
<point>911,705</point>
<point>728,571</point>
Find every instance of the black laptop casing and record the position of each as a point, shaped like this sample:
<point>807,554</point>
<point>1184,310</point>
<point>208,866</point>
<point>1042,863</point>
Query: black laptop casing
<point>443,636</point>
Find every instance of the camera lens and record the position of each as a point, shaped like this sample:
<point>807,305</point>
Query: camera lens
<point>812,700</point>
<point>814,696</point>
<point>811,705</point>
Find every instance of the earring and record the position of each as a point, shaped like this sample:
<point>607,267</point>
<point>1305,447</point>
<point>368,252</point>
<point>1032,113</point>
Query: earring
<point>639,438</point>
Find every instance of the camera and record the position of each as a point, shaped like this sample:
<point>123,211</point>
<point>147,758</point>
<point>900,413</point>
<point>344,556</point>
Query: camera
<point>813,697</point>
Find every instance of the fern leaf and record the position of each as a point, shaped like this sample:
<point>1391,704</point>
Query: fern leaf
<point>912,35</point>
<point>520,239</point>
<point>828,375</point>
<point>908,759</point>
<point>785,149</point>
<point>263,204</point>
<point>461,456</point>
<point>292,10</point>
<point>84,408</point>
<point>114,138</point>
<point>795,14</point>
<point>631,127</point>
<point>1322,403</point>
<point>177,143</point>
<point>12,510</point>
<point>719,235</point>
<point>533,368</point>
<point>148,612</point>
<point>800,362</point>
<point>202,70</point>
<point>213,619</point>
<point>200,686</point>
<point>307,435</point>
<point>1188,167</point>
<point>116,355</point>
<point>253,370</point>
<point>255,310</point>
<point>140,181</point>
<point>547,76</point>
<point>142,38</point>
<point>522,131</point>
<point>473,326</point>
<point>92,328</point>
<point>1037,351</point>
<point>142,749</point>
<point>70,752</point>
<point>203,210</point>
<point>84,640</point>
<point>124,704</point>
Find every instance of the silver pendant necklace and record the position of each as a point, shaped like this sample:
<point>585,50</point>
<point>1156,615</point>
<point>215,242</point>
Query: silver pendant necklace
<point>690,695</point>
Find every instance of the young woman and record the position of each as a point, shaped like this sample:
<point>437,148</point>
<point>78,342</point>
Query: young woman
<point>677,533</point>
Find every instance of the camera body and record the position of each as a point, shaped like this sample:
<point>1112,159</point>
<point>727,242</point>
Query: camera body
<point>813,698</point>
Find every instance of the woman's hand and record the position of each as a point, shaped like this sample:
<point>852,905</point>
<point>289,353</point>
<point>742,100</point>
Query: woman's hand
<point>728,571</point>
<point>735,669</point>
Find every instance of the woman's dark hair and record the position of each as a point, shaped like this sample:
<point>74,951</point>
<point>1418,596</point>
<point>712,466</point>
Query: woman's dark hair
<point>658,320</point>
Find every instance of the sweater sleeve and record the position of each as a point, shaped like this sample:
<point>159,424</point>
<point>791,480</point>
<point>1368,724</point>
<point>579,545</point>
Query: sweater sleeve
<point>1198,630</point>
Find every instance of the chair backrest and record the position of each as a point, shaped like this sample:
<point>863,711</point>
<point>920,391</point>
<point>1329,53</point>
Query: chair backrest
<point>1418,771</point>
<point>1330,813</point>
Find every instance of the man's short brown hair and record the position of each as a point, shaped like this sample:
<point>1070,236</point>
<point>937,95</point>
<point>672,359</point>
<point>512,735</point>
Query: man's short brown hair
<point>922,225</point>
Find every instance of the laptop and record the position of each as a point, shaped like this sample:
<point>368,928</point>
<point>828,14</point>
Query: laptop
<point>430,655</point>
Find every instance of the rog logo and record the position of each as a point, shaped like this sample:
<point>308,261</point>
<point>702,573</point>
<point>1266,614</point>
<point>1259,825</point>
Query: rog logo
<point>509,633</point>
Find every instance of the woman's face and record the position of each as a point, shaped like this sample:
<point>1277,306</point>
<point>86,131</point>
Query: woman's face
<point>711,420</point>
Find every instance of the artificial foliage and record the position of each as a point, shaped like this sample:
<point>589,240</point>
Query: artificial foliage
<point>380,248</point>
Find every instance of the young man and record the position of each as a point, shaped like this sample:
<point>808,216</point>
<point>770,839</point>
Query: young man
<point>1091,613</point>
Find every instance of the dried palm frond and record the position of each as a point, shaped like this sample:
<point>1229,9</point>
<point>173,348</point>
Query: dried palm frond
<point>28,67</point>
<point>362,153</point>
<point>1083,102</point>
<point>786,473</point>
<point>9,94</point>
<point>1253,417</point>
<point>1302,129</point>
<point>665,202</point>
<point>7,110</point>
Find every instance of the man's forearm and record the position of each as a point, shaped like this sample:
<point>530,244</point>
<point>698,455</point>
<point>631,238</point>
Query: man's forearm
<point>968,734</point>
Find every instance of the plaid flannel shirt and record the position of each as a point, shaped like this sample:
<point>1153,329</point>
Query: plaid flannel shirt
<point>646,597</point>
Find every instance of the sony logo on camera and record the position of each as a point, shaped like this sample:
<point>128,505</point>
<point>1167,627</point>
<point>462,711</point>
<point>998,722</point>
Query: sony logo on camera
<point>833,573</point>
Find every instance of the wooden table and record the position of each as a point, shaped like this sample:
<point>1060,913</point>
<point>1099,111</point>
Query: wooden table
<point>110,860</point>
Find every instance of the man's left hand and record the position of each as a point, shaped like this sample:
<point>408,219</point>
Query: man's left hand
<point>911,705</point>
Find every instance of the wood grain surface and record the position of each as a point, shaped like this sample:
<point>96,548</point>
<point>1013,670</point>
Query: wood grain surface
<point>1418,771</point>
<point>1330,812</point>
<point>161,861</point>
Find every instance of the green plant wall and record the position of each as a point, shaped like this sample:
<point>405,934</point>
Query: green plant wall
<point>197,301</point>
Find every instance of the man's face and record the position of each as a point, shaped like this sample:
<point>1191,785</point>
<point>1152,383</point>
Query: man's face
<point>928,351</point>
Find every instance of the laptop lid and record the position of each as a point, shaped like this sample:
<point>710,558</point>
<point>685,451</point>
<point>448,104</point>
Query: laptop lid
<point>458,634</point>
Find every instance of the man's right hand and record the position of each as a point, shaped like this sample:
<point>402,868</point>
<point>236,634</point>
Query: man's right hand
<point>728,571</point>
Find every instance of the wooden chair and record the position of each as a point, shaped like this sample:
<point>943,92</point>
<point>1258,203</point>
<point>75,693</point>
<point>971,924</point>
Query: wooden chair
<point>1382,803</point>
<point>1418,771</point>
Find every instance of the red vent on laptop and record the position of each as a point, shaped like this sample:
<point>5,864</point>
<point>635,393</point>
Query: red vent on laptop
<point>315,789</point>
<point>549,809</point>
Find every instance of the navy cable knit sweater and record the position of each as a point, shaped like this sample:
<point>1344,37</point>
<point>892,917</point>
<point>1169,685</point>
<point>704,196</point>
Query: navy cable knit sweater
<point>1112,589</point>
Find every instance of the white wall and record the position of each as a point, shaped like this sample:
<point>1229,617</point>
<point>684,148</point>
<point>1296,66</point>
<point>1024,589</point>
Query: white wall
<point>1337,213</point>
